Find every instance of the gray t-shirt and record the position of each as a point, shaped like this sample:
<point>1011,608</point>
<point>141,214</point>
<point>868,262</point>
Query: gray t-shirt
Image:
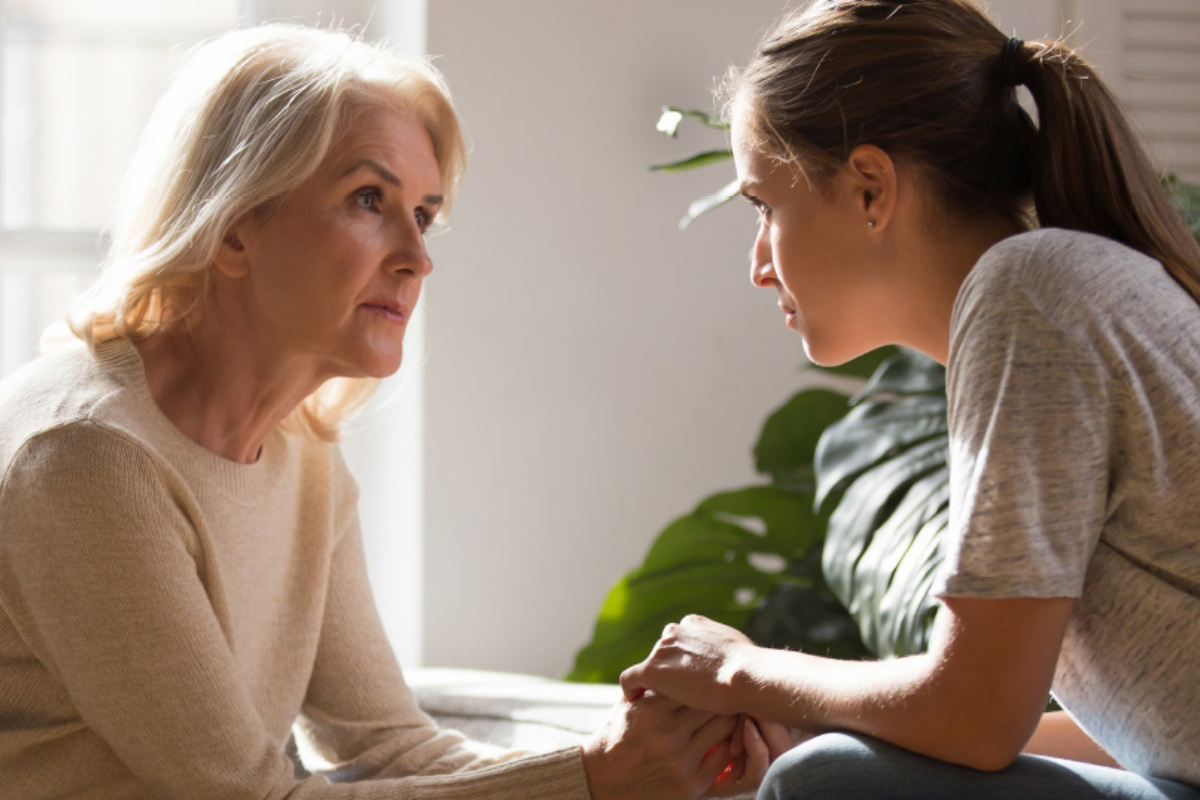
<point>1074,388</point>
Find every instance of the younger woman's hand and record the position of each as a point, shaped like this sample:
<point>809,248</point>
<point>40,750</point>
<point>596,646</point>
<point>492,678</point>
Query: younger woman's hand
<point>762,741</point>
<point>694,664</point>
<point>652,747</point>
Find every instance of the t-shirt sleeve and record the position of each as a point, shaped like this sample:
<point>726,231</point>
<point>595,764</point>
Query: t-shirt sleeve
<point>1029,404</point>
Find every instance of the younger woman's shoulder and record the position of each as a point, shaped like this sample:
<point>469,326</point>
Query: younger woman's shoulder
<point>1050,252</point>
<point>1052,267</point>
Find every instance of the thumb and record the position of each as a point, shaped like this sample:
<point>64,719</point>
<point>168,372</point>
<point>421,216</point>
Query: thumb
<point>631,682</point>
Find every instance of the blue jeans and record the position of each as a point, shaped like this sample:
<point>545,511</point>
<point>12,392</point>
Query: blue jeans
<point>840,766</point>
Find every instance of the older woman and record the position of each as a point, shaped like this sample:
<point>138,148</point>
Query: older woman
<point>181,572</point>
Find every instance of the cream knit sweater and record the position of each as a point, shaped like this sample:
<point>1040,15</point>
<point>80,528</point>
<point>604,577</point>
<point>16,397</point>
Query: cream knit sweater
<point>166,615</point>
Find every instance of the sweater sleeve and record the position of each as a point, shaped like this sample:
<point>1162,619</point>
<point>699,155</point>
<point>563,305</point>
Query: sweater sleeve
<point>361,716</point>
<point>99,575</point>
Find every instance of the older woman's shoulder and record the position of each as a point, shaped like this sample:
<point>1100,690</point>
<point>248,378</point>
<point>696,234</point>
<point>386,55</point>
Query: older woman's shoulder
<point>52,391</point>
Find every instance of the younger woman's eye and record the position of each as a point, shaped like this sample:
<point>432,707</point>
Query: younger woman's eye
<point>368,199</point>
<point>758,205</point>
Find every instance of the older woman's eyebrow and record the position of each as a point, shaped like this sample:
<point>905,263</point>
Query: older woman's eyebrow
<point>389,177</point>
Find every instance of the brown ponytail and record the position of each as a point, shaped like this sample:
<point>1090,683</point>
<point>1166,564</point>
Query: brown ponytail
<point>1092,173</point>
<point>933,82</point>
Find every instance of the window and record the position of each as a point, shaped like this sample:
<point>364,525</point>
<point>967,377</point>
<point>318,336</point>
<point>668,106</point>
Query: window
<point>77,81</point>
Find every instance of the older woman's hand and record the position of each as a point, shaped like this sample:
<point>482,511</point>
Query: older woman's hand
<point>694,663</point>
<point>652,747</point>
<point>761,742</point>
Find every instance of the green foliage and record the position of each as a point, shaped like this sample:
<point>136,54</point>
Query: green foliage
<point>669,123</point>
<point>882,471</point>
<point>1186,199</point>
<point>750,558</point>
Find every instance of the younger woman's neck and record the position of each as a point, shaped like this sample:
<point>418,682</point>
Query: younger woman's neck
<point>947,257</point>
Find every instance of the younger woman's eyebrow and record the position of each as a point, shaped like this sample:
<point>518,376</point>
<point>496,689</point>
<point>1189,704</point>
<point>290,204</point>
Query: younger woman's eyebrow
<point>747,187</point>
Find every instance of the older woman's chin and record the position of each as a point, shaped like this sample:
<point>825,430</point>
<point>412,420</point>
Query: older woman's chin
<point>369,365</point>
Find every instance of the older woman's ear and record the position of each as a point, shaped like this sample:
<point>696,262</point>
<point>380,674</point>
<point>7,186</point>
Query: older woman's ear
<point>231,259</point>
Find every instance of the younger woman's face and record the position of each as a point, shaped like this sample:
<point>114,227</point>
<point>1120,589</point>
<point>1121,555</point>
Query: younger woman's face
<point>811,248</point>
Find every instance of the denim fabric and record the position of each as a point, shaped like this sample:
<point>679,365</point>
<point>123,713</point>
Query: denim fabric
<point>845,767</point>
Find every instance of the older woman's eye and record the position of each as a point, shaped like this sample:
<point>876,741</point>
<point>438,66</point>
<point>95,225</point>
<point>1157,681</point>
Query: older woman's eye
<point>368,199</point>
<point>424,219</point>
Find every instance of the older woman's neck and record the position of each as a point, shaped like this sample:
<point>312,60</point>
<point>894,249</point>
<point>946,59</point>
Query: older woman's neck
<point>221,394</point>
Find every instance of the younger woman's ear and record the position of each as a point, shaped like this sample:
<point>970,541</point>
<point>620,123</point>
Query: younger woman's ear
<point>232,260</point>
<point>873,175</point>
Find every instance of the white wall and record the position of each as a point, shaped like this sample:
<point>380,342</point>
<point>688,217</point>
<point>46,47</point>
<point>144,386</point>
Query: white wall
<point>593,371</point>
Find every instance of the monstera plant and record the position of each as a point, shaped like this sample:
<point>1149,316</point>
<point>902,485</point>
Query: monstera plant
<point>833,553</point>
<point>836,551</point>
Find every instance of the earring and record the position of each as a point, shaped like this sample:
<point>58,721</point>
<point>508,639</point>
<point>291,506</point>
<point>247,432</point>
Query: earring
<point>871,224</point>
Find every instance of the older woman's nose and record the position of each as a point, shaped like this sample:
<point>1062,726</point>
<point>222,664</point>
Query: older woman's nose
<point>410,254</point>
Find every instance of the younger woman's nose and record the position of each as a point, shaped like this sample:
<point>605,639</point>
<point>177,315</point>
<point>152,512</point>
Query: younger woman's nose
<point>762,270</point>
<point>762,273</point>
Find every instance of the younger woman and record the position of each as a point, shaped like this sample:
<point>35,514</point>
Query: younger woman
<point>905,197</point>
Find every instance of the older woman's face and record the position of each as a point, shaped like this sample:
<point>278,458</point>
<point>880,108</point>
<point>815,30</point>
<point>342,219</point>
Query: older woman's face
<point>332,275</point>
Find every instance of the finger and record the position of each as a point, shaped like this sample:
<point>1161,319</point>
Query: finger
<point>758,756</point>
<point>712,733</point>
<point>735,739</point>
<point>692,719</point>
<point>720,770</point>
<point>777,736</point>
<point>631,682</point>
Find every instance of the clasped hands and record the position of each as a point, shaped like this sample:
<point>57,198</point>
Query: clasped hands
<point>677,732</point>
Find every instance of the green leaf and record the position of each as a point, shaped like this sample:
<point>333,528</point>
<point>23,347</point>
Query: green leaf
<point>911,374</point>
<point>787,445</point>
<point>807,614</point>
<point>699,208</point>
<point>870,536</point>
<point>883,477</point>
<point>698,160</point>
<point>874,431</point>
<point>723,560</point>
<point>786,515</point>
<point>668,122</point>
<point>1185,197</point>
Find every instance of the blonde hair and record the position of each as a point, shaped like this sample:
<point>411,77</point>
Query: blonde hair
<point>934,82</point>
<point>249,118</point>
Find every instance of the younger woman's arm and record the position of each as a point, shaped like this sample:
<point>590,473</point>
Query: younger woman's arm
<point>974,699</point>
<point>1058,735</point>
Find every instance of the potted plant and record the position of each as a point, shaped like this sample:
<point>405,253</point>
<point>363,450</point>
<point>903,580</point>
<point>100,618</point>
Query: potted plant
<point>836,550</point>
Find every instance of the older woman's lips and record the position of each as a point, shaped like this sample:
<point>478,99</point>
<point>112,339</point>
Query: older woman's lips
<point>393,312</point>
<point>790,313</point>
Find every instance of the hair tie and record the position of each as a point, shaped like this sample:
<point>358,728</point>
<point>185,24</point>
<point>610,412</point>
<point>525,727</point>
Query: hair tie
<point>1010,62</point>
